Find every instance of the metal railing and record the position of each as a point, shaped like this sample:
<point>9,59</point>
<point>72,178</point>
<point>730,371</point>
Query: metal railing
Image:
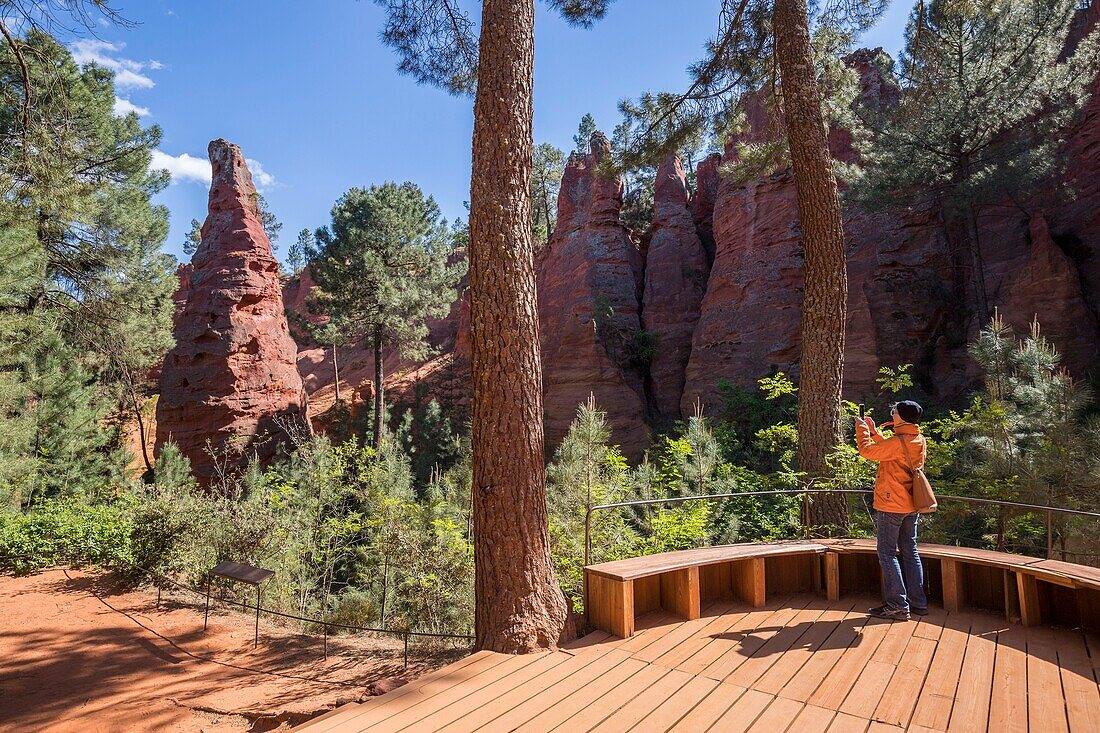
<point>325,624</point>
<point>1049,511</point>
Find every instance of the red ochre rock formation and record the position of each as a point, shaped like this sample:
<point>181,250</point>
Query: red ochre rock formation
<point>589,285</point>
<point>911,298</point>
<point>675,280</point>
<point>232,378</point>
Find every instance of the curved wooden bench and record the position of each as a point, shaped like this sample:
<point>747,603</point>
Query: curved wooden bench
<point>1026,589</point>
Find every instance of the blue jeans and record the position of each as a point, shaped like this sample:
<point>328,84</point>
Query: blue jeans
<point>904,581</point>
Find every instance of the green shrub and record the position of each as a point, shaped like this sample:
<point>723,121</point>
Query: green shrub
<point>66,531</point>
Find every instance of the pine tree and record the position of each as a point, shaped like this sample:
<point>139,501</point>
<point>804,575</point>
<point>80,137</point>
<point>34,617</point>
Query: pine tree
<point>547,167</point>
<point>382,269</point>
<point>585,130</point>
<point>297,254</point>
<point>519,607</point>
<point>193,238</point>
<point>985,102</point>
<point>1033,436</point>
<point>93,313</point>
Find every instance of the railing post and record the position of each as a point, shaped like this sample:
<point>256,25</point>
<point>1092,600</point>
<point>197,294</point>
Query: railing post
<point>326,642</point>
<point>1050,534</point>
<point>256,639</point>
<point>206,614</point>
<point>406,650</point>
<point>588,535</point>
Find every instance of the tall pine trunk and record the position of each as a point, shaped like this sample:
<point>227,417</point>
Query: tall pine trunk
<point>519,606</point>
<point>379,394</point>
<point>826,279</point>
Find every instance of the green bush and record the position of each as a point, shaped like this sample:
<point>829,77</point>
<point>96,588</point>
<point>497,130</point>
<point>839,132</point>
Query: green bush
<point>66,531</point>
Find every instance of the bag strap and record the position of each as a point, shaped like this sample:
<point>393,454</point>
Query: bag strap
<point>908,457</point>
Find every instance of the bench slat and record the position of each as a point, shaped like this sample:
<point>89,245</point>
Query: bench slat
<point>640,567</point>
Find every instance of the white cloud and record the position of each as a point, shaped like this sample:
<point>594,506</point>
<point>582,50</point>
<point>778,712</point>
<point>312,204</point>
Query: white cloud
<point>127,78</point>
<point>183,167</point>
<point>260,177</point>
<point>125,107</point>
<point>127,71</point>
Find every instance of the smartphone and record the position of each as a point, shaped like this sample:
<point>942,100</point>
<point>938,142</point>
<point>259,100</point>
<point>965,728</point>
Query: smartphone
<point>862,410</point>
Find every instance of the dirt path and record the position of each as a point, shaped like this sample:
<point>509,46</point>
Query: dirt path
<point>80,653</point>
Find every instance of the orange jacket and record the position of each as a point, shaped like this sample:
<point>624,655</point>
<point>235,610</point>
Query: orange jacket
<point>894,481</point>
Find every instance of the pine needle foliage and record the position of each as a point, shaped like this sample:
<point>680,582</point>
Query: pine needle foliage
<point>986,93</point>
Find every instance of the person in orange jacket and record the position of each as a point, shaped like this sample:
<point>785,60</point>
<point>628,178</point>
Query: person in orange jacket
<point>896,520</point>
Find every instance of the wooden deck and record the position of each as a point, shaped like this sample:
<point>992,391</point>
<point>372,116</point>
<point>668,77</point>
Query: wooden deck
<point>801,664</point>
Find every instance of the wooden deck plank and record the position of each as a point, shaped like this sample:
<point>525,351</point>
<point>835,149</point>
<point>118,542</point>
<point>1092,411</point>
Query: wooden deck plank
<point>746,644</point>
<point>788,665</point>
<point>778,716</point>
<point>756,666</point>
<point>420,689</point>
<point>970,711</point>
<point>936,699</point>
<point>868,689</point>
<point>710,709</point>
<point>458,702</point>
<point>821,663</point>
<point>673,639</point>
<point>844,723</point>
<point>553,706</point>
<point>1008,704</point>
<point>897,705</point>
<point>611,669</point>
<point>644,702</point>
<point>931,626</point>
<point>741,628</point>
<point>590,639</point>
<point>879,727</point>
<point>1046,705</point>
<point>1079,684</point>
<point>743,713</point>
<point>419,707</point>
<point>976,672</point>
<point>725,615</point>
<point>813,719</point>
<point>649,628</point>
<point>835,687</point>
<point>607,700</point>
<point>666,716</point>
<point>508,696</point>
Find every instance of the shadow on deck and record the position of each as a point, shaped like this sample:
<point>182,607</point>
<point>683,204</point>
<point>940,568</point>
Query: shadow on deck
<point>800,663</point>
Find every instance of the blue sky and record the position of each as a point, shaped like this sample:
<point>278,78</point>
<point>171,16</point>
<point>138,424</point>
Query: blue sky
<point>313,97</point>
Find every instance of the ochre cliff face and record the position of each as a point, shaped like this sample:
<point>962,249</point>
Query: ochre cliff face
<point>675,280</point>
<point>589,285</point>
<point>721,288</point>
<point>232,378</point>
<point>911,296</point>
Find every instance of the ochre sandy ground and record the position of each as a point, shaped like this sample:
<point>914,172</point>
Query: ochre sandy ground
<point>79,652</point>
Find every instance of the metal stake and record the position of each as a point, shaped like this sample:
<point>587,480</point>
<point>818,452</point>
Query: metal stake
<point>256,639</point>
<point>206,615</point>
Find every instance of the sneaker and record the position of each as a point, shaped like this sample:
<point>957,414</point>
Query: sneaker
<point>918,611</point>
<point>890,613</point>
